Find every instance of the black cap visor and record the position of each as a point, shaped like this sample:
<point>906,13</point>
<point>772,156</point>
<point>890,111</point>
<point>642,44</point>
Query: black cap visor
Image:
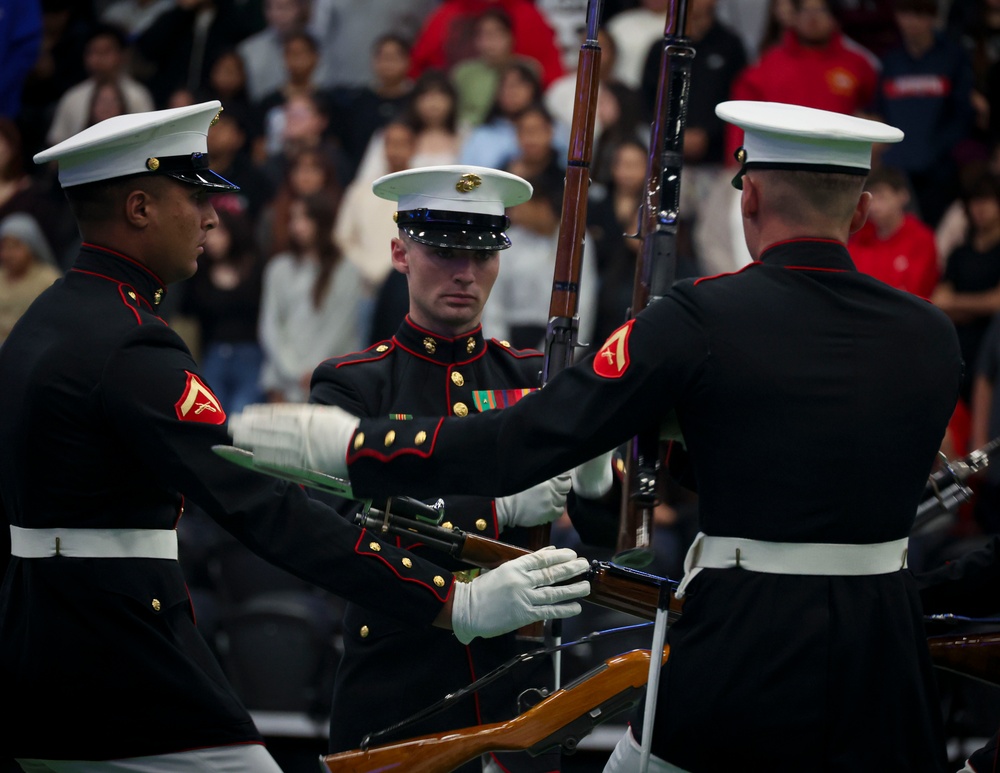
<point>192,169</point>
<point>455,230</point>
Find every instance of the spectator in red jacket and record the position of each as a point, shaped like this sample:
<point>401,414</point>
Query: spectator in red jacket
<point>447,36</point>
<point>813,65</point>
<point>894,245</point>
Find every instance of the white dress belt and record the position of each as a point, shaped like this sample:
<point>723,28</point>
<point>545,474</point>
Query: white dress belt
<point>806,558</point>
<point>93,543</point>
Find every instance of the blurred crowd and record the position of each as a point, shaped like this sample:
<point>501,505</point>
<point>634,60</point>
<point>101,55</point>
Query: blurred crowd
<point>321,97</point>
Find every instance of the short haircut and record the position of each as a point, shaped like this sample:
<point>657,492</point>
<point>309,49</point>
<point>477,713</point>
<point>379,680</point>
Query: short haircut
<point>99,202</point>
<point>803,195</point>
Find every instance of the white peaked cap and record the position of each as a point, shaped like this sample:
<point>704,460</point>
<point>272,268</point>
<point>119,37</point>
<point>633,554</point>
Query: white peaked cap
<point>170,142</point>
<point>456,206</point>
<point>776,135</point>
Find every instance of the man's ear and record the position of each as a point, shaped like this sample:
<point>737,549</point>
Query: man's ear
<point>750,197</point>
<point>861,211</point>
<point>400,256</point>
<point>137,208</point>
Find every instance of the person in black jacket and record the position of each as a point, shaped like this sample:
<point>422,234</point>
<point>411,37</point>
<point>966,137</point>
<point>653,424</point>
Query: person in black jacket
<point>801,644</point>
<point>108,431</point>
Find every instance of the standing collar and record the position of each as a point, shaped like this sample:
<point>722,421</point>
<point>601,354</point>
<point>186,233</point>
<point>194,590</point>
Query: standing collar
<point>438,348</point>
<point>117,267</point>
<point>827,254</point>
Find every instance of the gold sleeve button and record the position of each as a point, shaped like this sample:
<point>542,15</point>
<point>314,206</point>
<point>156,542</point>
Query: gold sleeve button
<point>375,546</point>
<point>364,632</point>
<point>359,440</point>
<point>156,605</point>
<point>439,580</point>
<point>481,524</point>
<point>381,348</point>
<point>407,563</point>
<point>460,409</point>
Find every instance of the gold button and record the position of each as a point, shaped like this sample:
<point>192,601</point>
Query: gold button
<point>152,164</point>
<point>439,580</point>
<point>364,632</point>
<point>359,440</point>
<point>131,295</point>
<point>156,605</point>
<point>430,345</point>
<point>407,563</point>
<point>457,378</point>
<point>505,344</point>
<point>157,297</point>
<point>470,345</point>
<point>390,438</point>
<point>375,546</point>
<point>461,409</point>
<point>620,465</point>
<point>481,524</point>
<point>421,438</point>
<point>382,348</point>
<point>447,525</point>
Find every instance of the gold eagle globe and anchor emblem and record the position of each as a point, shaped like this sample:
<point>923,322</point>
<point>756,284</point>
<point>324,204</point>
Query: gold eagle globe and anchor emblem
<point>468,183</point>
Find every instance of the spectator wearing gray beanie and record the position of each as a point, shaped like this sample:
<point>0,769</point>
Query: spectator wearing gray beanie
<point>27,267</point>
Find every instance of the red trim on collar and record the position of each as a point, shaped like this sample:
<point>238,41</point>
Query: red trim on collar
<point>133,261</point>
<point>425,358</point>
<point>803,239</point>
<point>701,279</point>
<point>816,268</point>
<point>414,325</point>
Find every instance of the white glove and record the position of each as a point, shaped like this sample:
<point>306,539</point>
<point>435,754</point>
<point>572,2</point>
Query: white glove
<point>519,592</point>
<point>542,503</point>
<point>296,435</point>
<point>593,479</point>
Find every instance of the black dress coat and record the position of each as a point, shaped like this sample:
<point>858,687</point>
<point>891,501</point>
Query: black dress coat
<point>420,373</point>
<point>812,401</point>
<point>105,423</point>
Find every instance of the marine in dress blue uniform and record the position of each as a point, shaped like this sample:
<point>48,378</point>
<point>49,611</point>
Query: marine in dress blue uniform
<point>107,429</point>
<point>812,400</point>
<point>422,372</point>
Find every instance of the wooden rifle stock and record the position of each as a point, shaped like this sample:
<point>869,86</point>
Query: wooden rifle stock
<point>655,269</point>
<point>561,719</point>
<point>975,655</point>
<point>561,334</point>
